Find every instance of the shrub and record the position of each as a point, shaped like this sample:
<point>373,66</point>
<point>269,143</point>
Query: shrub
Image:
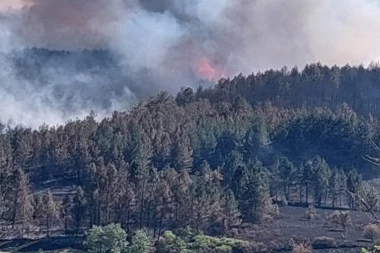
<point>198,242</point>
<point>375,249</point>
<point>169,236</point>
<point>272,211</point>
<point>187,233</point>
<point>311,212</point>
<point>169,242</point>
<point>201,241</point>
<point>141,243</point>
<point>340,218</point>
<point>371,231</point>
<point>324,242</point>
<point>208,242</point>
<point>302,248</point>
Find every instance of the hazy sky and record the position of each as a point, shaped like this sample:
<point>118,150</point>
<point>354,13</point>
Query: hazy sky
<point>6,5</point>
<point>228,36</point>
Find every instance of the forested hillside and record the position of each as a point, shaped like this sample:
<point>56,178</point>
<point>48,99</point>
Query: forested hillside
<point>207,158</point>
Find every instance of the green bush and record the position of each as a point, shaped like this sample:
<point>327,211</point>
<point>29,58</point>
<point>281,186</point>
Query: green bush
<point>141,243</point>
<point>376,249</point>
<point>209,242</point>
<point>169,242</point>
<point>197,242</point>
<point>108,239</point>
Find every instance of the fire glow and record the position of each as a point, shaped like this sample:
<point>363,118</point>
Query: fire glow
<point>206,70</point>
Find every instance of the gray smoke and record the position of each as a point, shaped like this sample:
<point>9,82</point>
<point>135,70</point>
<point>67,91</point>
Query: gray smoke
<point>165,44</point>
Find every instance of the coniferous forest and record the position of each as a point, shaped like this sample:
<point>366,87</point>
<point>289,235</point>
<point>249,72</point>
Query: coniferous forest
<point>208,159</point>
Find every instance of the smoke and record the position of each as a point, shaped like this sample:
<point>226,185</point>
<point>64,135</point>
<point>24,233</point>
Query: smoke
<point>163,45</point>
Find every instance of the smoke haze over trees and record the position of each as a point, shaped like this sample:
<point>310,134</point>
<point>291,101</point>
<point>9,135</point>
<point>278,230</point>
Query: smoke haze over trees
<point>164,45</point>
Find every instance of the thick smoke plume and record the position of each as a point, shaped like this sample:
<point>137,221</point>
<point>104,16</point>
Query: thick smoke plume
<point>163,45</point>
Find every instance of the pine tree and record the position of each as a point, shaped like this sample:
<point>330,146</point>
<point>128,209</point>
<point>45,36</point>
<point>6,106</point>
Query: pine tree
<point>319,173</point>
<point>65,212</point>
<point>231,215</point>
<point>182,199</point>
<point>254,197</point>
<point>50,211</point>
<point>334,187</point>
<point>21,209</point>
<point>38,208</point>
<point>205,197</point>
<point>286,173</point>
<point>342,186</point>
<point>354,185</point>
<point>322,175</point>
<point>126,207</point>
<point>78,208</point>
<point>163,197</point>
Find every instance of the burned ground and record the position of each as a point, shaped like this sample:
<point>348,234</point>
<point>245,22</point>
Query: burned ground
<point>291,226</point>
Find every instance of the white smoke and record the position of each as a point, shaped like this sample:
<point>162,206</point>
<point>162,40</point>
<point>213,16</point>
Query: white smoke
<point>166,44</point>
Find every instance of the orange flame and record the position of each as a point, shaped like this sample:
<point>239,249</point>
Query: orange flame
<point>205,70</point>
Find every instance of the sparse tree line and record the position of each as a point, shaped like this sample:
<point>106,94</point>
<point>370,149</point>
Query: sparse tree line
<point>160,200</point>
<point>209,159</point>
<point>170,199</point>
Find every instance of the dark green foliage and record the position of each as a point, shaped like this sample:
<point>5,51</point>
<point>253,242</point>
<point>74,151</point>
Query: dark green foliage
<point>319,177</point>
<point>254,193</point>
